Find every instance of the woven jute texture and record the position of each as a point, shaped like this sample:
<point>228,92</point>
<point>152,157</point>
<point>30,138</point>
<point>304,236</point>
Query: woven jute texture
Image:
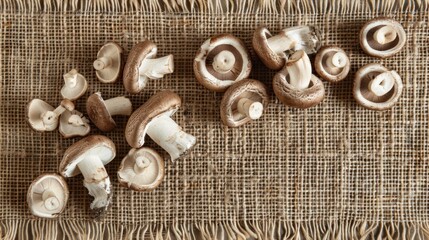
<point>335,171</point>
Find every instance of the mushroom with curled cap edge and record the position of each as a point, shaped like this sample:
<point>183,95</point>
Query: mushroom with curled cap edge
<point>108,63</point>
<point>47,196</point>
<point>382,37</point>
<point>142,65</point>
<point>75,85</point>
<point>295,86</point>
<point>154,119</point>
<point>376,87</point>
<point>141,170</point>
<point>332,64</point>
<point>73,124</point>
<point>88,156</point>
<point>221,61</point>
<point>274,50</point>
<point>243,102</point>
<point>100,111</point>
<point>43,117</point>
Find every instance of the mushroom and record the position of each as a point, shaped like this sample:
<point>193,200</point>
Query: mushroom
<point>108,62</point>
<point>274,50</point>
<point>376,87</point>
<point>73,123</point>
<point>142,64</point>
<point>43,117</point>
<point>295,85</point>
<point>75,85</point>
<point>154,118</point>
<point>88,156</point>
<point>141,170</point>
<point>221,61</point>
<point>332,64</point>
<point>47,196</point>
<point>100,111</point>
<point>243,102</point>
<point>382,37</point>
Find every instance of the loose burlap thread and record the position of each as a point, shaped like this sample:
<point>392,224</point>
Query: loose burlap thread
<point>335,171</point>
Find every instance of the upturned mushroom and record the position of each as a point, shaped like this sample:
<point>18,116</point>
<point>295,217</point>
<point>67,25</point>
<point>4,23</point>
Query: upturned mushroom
<point>47,196</point>
<point>154,119</point>
<point>100,111</point>
<point>274,50</point>
<point>108,63</point>
<point>295,86</point>
<point>73,124</point>
<point>75,85</point>
<point>43,117</point>
<point>382,37</point>
<point>88,156</point>
<point>376,87</point>
<point>221,61</point>
<point>141,170</point>
<point>243,102</point>
<point>332,64</point>
<point>142,65</point>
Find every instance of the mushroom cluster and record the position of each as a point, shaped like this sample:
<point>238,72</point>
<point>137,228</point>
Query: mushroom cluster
<point>143,168</point>
<point>222,64</point>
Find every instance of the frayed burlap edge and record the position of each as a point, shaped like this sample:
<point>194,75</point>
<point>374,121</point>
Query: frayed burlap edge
<point>74,229</point>
<point>216,6</point>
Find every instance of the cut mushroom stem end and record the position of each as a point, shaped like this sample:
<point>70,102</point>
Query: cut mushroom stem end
<point>50,200</point>
<point>156,68</point>
<point>299,68</point>
<point>224,61</point>
<point>70,78</point>
<point>337,60</point>
<point>141,164</point>
<point>102,63</point>
<point>170,136</point>
<point>96,181</point>
<point>383,83</point>
<point>385,34</point>
<point>250,108</point>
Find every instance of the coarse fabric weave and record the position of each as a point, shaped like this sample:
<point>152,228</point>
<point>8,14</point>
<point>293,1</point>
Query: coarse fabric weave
<point>334,171</point>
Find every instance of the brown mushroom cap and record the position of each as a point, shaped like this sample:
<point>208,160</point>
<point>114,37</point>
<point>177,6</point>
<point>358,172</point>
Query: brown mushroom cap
<point>329,74</point>
<point>369,100</point>
<point>159,103</point>
<point>98,145</point>
<point>113,52</point>
<point>293,97</point>
<point>149,178</point>
<point>259,42</point>
<point>131,70</point>
<point>98,113</point>
<point>371,47</point>
<point>248,88</point>
<point>204,71</point>
<point>52,182</point>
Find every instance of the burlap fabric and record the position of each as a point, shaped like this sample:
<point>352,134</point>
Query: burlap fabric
<point>332,171</point>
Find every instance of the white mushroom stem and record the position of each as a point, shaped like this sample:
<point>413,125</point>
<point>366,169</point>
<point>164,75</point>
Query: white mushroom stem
<point>141,164</point>
<point>101,63</point>
<point>383,83</point>
<point>336,60</point>
<point>96,180</point>
<point>51,117</point>
<point>224,61</point>
<point>70,78</point>
<point>250,108</point>
<point>170,136</point>
<point>50,200</point>
<point>299,69</point>
<point>119,106</point>
<point>280,43</point>
<point>76,120</point>
<point>385,34</point>
<point>156,68</point>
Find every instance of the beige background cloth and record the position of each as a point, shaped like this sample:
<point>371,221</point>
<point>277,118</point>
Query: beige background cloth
<point>333,171</point>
